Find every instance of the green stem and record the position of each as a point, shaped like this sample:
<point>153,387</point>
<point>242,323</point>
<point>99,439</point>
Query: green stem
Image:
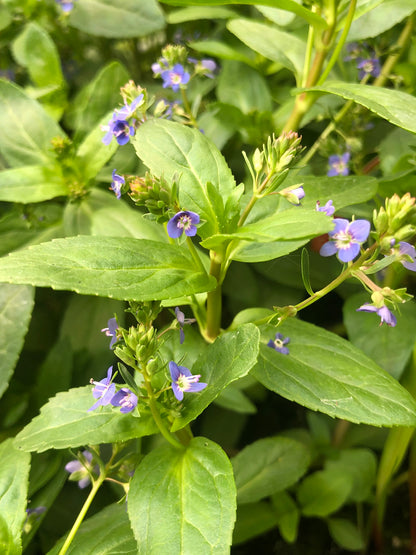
<point>308,53</point>
<point>337,281</point>
<point>340,44</point>
<point>188,109</point>
<point>156,415</point>
<point>214,301</point>
<point>95,487</point>
<point>195,255</point>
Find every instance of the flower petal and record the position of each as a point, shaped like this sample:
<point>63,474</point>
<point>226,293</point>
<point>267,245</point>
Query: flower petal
<point>359,229</point>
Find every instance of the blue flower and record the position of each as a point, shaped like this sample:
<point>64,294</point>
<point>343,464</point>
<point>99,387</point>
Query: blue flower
<point>128,109</point>
<point>338,165</point>
<point>368,66</point>
<point>297,194</point>
<point>183,381</point>
<point>111,330</point>
<point>184,221</point>
<point>117,183</point>
<point>182,321</point>
<point>120,129</point>
<point>160,66</point>
<point>125,399</point>
<point>385,314</point>
<point>175,77</point>
<point>66,5</point>
<point>103,391</point>
<point>345,239</point>
<point>328,209</point>
<point>278,344</point>
<point>32,515</point>
<point>405,249</point>
<point>80,470</point>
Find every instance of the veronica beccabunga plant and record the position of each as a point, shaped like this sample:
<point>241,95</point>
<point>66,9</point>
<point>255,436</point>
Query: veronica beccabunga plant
<point>248,255</point>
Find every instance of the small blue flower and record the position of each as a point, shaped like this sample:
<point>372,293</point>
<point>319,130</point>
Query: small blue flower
<point>103,391</point>
<point>182,321</point>
<point>184,221</point>
<point>175,77</point>
<point>120,129</point>
<point>125,399</point>
<point>183,381</point>
<point>338,165</point>
<point>345,239</point>
<point>160,66</point>
<point>127,111</point>
<point>66,5</point>
<point>299,193</point>
<point>385,314</point>
<point>278,344</point>
<point>408,250</point>
<point>328,209</point>
<point>368,66</point>
<point>111,330</point>
<point>80,470</point>
<point>32,515</point>
<point>117,183</point>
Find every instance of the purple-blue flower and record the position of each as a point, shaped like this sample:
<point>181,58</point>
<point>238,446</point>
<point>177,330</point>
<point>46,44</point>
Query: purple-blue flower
<point>299,193</point>
<point>184,221</point>
<point>182,321</point>
<point>183,381</point>
<point>118,128</point>
<point>345,239</point>
<point>328,209</point>
<point>80,469</point>
<point>338,165</point>
<point>117,183</point>
<point>160,66</point>
<point>127,111</point>
<point>278,344</point>
<point>32,515</point>
<point>175,77</point>
<point>125,399</point>
<point>103,391</point>
<point>66,5</point>
<point>111,330</point>
<point>385,314</point>
<point>368,66</point>
<point>409,250</point>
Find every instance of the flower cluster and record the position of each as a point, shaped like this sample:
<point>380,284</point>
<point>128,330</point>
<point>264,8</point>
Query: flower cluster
<point>105,393</point>
<point>123,122</point>
<point>176,69</point>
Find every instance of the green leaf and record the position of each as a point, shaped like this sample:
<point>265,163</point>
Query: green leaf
<point>16,304</point>
<point>29,184</point>
<point>327,373</point>
<point>390,347</point>
<point>35,50</point>
<point>140,269</point>
<point>98,98</point>
<point>33,129</point>
<point>253,519</point>
<point>272,43</point>
<point>194,13</point>
<point>107,532</point>
<point>229,358</point>
<point>261,252</point>
<point>361,465</point>
<point>267,466</point>
<point>14,477</point>
<point>323,492</point>
<point>342,190</point>
<point>234,399</point>
<point>346,534</point>
<point>117,18</point>
<point>287,225</point>
<point>64,422</point>
<point>289,5</point>
<point>223,51</point>
<point>379,19</point>
<point>397,107</point>
<point>288,515</point>
<point>173,150</point>
<point>244,87</point>
<point>191,492</point>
